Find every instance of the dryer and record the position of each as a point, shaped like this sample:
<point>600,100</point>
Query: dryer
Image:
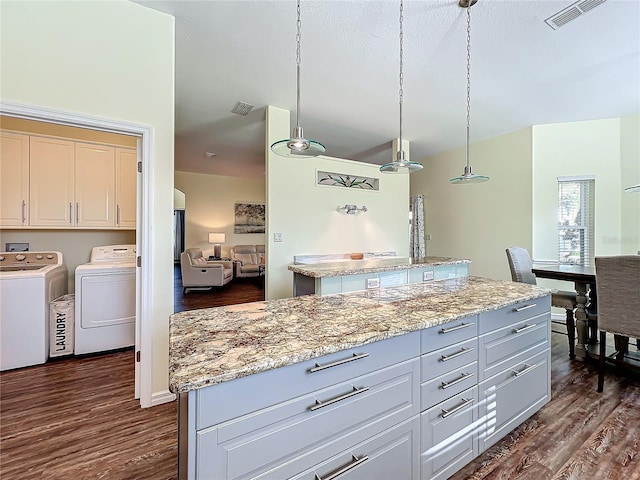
<point>29,281</point>
<point>105,314</point>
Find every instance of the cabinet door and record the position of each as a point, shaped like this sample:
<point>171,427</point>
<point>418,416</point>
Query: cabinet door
<point>126,187</point>
<point>51,177</point>
<point>14,180</point>
<point>95,176</point>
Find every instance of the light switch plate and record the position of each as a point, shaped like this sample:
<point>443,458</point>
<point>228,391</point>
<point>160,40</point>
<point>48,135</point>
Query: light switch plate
<point>277,237</point>
<point>428,275</point>
<point>373,283</point>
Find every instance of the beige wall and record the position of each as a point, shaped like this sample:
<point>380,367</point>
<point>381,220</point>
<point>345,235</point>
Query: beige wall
<point>75,245</point>
<point>630,173</point>
<point>209,208</point>
<point>306,214</point>
<point>479,221</point>
<point>112,60</point>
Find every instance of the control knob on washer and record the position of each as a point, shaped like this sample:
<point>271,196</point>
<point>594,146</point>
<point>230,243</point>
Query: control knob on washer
<point>20,257</point>
<point>1,258</point>
<point>39,257</point>
<point>49,256</point>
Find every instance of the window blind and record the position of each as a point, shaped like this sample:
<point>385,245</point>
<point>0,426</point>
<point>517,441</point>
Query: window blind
<point>576,220</point>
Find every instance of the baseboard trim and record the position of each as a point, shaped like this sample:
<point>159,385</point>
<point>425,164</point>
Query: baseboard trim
<point>165,396</point>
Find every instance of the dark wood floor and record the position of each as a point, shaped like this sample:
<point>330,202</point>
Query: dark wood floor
<point>77,419</point>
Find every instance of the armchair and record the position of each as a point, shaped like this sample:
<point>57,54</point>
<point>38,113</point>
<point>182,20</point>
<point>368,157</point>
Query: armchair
<point>247,259</point>
<point>197,272</point>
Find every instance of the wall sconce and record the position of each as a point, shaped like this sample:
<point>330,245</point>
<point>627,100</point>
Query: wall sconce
<point>352,209</point>
<point>217,239</point>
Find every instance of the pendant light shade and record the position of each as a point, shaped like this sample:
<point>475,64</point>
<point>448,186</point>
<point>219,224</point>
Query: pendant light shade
<point>297,146</point>
<point>635,188</point>
<point>468,176</point>
<point>401,164</point>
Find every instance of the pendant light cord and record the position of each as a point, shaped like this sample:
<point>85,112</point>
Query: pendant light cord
<point>298,24</point>
<point>401,92</point>
<point>468,75</point>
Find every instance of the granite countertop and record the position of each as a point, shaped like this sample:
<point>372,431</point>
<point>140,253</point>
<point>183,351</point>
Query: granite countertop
<point>214,345</point>
<point>370,265</point>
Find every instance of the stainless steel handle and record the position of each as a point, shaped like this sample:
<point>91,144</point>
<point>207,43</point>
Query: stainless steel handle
<point>524,328</point>
<point>459,327</point>
<point>24,215</point>
<point>356,356</point>
<point>527,368</point>
<point>524,307</point>
<point>70,213</point>
<point>446,413</point>
<point>463,376</point>
<point>77,216</point>
<point>355,461</point>
<point>339,398</point>
<point>446,358</point>
<point>117,214</point>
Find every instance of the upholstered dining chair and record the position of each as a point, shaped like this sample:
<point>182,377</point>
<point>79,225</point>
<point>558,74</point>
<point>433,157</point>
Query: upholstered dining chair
<point>520,264</point>
<point>618,288</point>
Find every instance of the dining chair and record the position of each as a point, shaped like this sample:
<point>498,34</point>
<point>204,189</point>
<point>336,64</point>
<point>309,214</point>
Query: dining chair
<point>618,289</point>
<point>520,264</point>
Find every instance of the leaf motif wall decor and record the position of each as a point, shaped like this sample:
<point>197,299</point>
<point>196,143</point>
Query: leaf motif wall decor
<point>346,181</point>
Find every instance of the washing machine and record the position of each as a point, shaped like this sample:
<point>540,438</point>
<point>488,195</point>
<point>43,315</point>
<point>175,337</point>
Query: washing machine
<point>29,281</point>
<point>105,315</point>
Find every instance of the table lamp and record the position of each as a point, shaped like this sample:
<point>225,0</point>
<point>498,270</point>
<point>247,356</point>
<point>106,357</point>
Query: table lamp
<point>217,239</point>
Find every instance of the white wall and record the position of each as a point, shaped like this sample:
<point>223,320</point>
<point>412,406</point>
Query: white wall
<point>479,221</point>
<point>630,173</point>
<point>577,148</point>
<point>306,214</point>
<point>209,208</point>
<point>113,60</point>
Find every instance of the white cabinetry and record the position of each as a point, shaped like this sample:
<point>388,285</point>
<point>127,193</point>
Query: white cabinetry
<point>95,186</point>
<point>14,180</point>
<point>126,187</point>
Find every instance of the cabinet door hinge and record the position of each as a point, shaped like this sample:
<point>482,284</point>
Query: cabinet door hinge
<point>140,167</point>
<point>138,356</point>
<point>139,261</point>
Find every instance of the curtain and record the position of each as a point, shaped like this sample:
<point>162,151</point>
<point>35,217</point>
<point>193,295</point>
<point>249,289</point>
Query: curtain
<point>416,245</point>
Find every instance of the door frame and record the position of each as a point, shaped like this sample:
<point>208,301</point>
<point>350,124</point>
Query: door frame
<point>144,241</point>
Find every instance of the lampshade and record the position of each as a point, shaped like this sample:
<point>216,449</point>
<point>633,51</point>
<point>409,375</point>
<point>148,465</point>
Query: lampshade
<point>216,238</point>
<point>635,188</point>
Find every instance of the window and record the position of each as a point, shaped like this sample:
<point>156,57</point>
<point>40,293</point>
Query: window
<point>575,220</point>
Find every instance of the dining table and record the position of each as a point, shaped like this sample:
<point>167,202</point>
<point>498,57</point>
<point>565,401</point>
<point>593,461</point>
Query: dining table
<point>584,280</point>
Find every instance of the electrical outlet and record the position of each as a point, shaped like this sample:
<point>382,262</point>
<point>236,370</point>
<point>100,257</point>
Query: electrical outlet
<point>277,237</point>
<point>428,275</point>
<point>373,283</point>
<point>428,236</point>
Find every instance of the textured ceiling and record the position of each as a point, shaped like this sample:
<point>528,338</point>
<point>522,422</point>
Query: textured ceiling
<point>523,73</point>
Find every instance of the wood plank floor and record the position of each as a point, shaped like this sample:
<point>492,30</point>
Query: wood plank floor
<point>77,419</point>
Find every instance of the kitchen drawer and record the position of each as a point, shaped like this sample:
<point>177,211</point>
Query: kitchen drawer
<point>514,313</point>
<point>390,455</point>
<point>271,438</point>
<point>447,385</point>
<point>448,435</point>
<point>446,359</point>
<point>448,333</point>
<point>512,396</point>
<point>502,348</point>
<point>261,390</point>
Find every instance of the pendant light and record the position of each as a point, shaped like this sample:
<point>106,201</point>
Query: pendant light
<point>297,146</point>
<point>401,164</point>
<point>635,188</point>
<point>468,176</point>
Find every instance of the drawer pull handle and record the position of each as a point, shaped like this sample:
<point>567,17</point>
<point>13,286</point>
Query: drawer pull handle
<point>524,307</point>
<point>356,356</point>
<point>355,461</point>
<point>447,413</point>
<point>462,377</point>
<point>458,327</point>
<point>527,368</point>
<point>446,358</point>
<point>524,328</point>
<point>339,398</point>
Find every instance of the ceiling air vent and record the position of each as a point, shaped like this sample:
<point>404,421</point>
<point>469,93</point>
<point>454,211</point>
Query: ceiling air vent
<point>242,108</point>
<point>572,12</point>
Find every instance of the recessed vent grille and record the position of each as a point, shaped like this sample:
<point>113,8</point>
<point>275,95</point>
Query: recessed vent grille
<point>242,108</point>
<point>572,12</point>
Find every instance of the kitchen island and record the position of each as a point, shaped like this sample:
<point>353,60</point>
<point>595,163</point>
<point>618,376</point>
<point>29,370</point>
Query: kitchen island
<point>402,382</point>
<point>341,276</point>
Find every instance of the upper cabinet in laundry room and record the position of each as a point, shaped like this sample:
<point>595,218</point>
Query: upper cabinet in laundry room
<point>14,179</point>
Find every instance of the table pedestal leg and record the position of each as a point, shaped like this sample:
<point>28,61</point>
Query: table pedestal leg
<point>581,319</point>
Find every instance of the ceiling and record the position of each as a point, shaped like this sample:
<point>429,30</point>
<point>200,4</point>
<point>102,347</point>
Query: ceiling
<point>523,73</point>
